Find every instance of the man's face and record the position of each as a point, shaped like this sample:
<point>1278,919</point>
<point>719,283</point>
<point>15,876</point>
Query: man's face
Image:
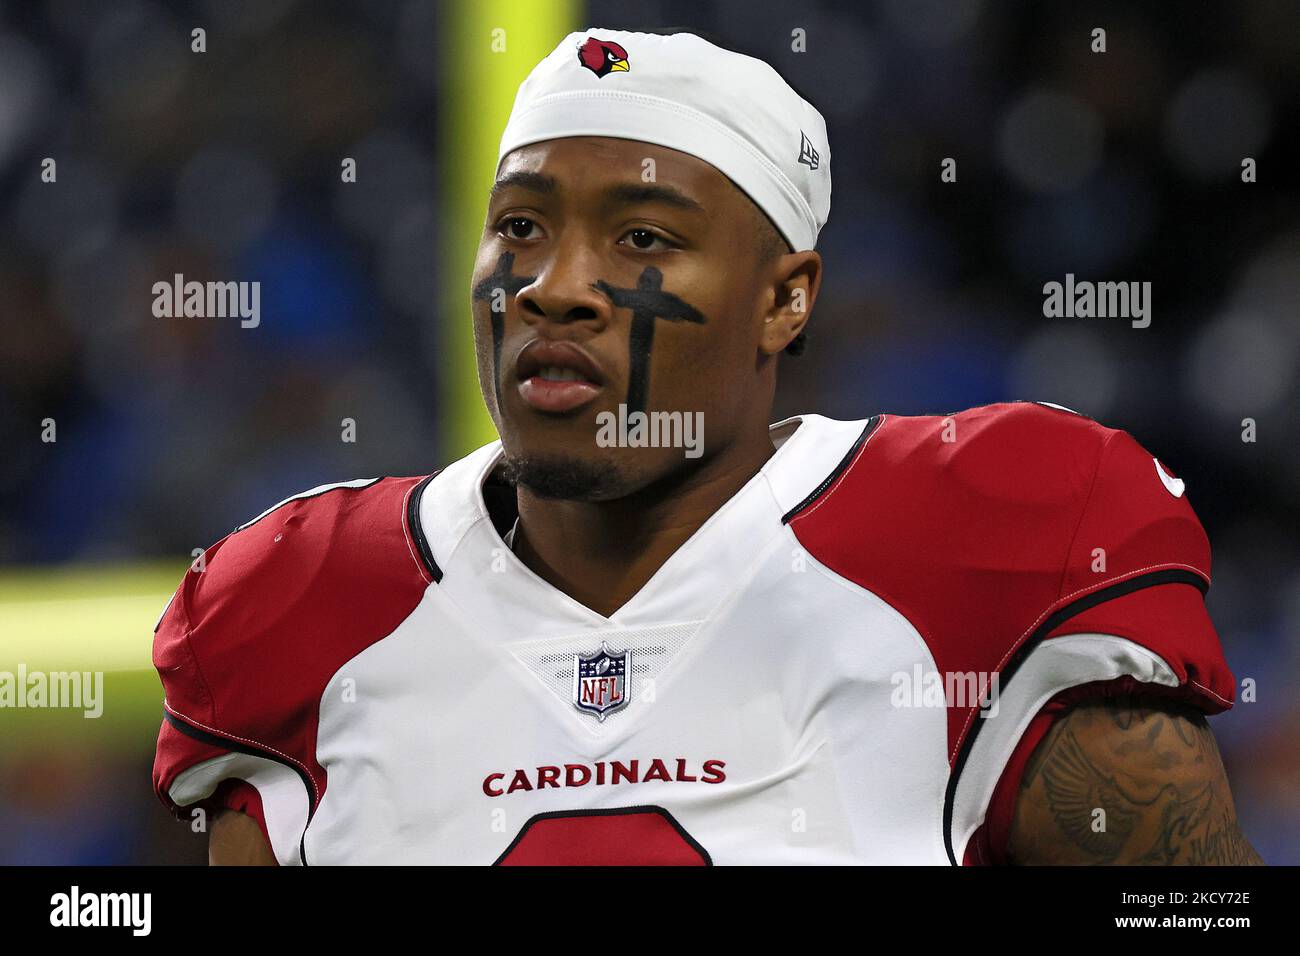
<point>614,272</point>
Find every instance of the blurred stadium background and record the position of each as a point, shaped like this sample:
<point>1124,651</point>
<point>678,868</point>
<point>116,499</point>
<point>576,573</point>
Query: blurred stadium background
<point>226,165</point>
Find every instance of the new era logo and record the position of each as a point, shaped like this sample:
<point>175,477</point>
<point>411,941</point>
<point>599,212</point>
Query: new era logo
<point>807,154</point>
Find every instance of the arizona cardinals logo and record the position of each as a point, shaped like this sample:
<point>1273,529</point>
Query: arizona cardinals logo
<point>602,56</point>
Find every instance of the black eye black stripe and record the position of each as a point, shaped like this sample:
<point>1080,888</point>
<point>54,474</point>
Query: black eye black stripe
<point>648,302</point>
<point>502,278</point>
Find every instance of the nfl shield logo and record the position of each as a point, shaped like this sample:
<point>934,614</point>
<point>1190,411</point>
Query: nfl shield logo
<point>600,681</point>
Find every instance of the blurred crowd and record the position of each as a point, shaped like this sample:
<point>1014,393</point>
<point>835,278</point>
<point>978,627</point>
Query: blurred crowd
<point>1124,165</point>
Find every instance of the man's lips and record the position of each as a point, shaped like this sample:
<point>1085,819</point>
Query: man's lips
<point>556,396</point>
<point>538,366</point>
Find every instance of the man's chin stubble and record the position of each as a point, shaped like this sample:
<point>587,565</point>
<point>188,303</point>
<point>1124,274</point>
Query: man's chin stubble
<point>565,478</point>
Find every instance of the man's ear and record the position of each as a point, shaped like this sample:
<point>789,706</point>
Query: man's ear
<point>795,279</point>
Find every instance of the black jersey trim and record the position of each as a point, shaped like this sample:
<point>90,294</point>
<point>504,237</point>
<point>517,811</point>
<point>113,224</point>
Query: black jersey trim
<point>836,472</point>
<point>202,736</point>
<point>1054,620</point>
<point>417,529</point>
<point>693,843</point>
<point>342,486</point>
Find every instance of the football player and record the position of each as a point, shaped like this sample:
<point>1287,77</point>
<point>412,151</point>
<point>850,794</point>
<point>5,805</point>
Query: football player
<point>649,627</point>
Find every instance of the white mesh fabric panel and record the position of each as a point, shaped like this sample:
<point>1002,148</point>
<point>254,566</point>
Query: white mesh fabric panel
<point>550,660</point>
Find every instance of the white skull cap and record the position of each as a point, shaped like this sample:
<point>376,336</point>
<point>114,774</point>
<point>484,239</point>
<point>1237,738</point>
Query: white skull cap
<point>681,91</point>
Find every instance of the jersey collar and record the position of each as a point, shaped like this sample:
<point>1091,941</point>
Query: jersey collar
<point>502,596</point>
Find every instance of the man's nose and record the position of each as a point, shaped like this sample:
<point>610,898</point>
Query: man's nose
<point>563,289</point>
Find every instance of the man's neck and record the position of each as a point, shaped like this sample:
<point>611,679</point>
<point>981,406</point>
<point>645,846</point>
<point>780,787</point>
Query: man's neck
<point>602,553</point>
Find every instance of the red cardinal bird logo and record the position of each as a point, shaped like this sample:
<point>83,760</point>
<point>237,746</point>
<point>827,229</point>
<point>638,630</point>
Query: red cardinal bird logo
<point>602,56</point>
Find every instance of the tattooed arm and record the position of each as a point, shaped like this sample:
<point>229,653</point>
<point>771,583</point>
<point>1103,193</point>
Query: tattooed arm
<point>1127,781</point>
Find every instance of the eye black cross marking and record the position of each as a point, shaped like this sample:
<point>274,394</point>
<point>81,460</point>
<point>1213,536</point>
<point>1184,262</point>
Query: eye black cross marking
<point>648,302</point>
<point>502,278</point>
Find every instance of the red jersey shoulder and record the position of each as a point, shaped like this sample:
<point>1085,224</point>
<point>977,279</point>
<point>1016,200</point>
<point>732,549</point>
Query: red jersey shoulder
<point>1006,488</point>
<point>265,616</point>
<point>977,526</point>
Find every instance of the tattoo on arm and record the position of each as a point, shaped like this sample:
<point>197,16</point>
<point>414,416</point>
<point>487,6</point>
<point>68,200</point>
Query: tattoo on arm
<point>1127,781</point>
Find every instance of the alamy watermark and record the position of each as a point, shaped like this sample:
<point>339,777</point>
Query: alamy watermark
<point>639,429</point>
<point>1101,300</point>
<point>208,300</point>
<point>55,690</point>
<point>929,688</point>
<point>75,908</point>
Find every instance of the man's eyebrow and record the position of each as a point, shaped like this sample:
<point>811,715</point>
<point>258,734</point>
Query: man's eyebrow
<point>625,194</point>
<point>632,193</point>
<point>535,182</point>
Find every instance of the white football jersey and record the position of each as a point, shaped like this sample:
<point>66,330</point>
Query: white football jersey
<point>835,668</point>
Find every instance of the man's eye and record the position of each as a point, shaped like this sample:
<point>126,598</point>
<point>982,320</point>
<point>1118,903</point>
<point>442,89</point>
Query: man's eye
<point>518,227</point>
<point>644,239</point>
